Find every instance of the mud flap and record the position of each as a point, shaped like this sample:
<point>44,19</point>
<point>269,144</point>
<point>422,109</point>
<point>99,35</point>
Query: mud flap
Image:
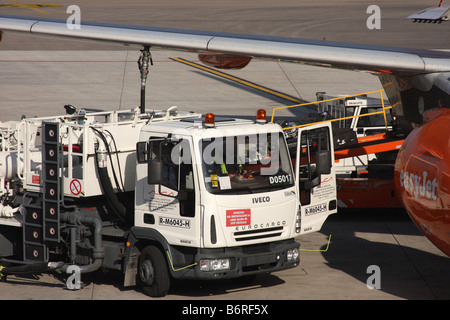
<point>131,268</point>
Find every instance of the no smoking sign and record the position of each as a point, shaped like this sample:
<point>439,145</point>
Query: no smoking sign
<point>75,187</point>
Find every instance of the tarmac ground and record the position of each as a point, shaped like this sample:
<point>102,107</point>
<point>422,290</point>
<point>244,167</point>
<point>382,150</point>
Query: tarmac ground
<point>338,263</point>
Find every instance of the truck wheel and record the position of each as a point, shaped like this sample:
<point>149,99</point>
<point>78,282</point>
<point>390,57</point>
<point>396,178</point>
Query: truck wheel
<point>153,274</point>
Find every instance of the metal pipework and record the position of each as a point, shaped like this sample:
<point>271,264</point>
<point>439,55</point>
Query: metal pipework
<point>77,218</point>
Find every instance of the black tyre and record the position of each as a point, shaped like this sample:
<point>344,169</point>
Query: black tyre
<point>153,274</point>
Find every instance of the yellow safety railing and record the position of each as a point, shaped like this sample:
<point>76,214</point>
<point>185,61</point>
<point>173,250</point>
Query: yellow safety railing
<point>344,118</point>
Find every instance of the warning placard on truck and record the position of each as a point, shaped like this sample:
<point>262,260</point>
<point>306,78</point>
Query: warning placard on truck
<point>238,217</point>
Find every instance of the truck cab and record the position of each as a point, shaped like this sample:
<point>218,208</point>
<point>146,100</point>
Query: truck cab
<point>224,196</point>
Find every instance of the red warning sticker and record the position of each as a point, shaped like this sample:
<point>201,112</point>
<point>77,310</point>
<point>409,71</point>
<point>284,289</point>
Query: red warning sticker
<point>35,179</point>
<point>239,217</point>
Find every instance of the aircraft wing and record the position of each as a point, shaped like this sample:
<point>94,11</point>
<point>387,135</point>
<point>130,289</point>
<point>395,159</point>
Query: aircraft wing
<point>326,53</point>
<point>414,80</point>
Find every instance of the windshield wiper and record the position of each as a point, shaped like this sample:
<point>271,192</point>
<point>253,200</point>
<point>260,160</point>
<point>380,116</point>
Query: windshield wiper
<point>272,187</point>
<point>246,189</point>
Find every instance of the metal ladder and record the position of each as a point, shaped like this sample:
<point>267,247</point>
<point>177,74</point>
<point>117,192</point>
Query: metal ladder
<point>41,225</point>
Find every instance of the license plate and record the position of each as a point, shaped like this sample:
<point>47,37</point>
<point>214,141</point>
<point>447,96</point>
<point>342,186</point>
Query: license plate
<point>316,209</point>
<point>174,222</point>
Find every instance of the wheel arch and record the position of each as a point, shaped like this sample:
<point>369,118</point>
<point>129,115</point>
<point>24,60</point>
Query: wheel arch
<point>142,237</point>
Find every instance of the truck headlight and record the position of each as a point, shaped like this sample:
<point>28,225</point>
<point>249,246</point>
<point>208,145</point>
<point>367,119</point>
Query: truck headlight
<point>292,254</point>
<point>214,264</point>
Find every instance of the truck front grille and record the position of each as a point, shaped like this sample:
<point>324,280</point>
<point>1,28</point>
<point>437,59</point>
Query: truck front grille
<point>258,234</point>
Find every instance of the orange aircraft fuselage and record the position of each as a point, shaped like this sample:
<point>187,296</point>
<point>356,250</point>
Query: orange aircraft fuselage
<point>422,177</point>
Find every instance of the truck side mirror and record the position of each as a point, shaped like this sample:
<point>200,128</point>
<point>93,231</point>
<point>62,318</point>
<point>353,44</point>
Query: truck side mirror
<point>154,172</point>
<point>141,151</point>
<point>323,162</point>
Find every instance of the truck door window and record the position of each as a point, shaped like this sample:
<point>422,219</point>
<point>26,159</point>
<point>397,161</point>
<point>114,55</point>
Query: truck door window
<point>177,171</point>
<point>312,142</point>
<point>160,149</point>
<point>186,179</point>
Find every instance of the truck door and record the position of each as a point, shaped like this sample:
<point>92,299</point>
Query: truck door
<point>316,181</point>
<point>166,190</point>
<point>172,162</point>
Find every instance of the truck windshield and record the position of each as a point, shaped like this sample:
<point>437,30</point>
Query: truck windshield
<point>246,163</point>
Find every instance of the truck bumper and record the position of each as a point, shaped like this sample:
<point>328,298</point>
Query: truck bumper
<point>243,261</point>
